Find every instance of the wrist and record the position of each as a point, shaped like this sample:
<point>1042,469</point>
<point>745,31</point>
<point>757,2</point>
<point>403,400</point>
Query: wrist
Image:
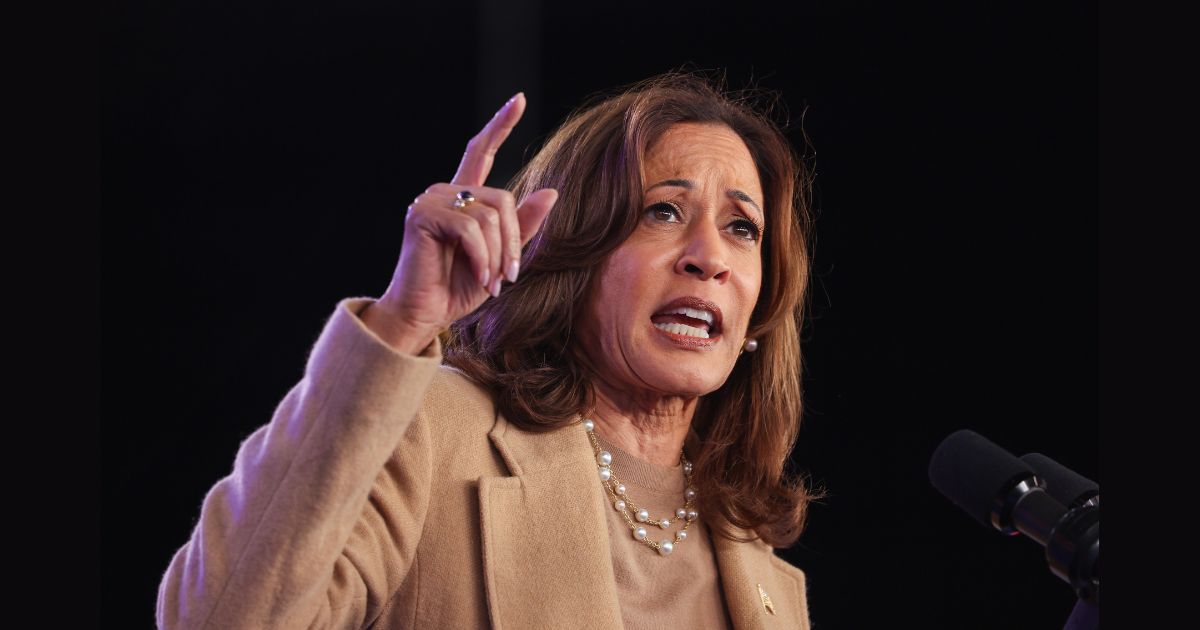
<point>400,337</point>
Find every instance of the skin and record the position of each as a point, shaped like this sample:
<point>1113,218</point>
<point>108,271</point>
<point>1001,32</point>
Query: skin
<point>646,385</point>
<point>454,259</point>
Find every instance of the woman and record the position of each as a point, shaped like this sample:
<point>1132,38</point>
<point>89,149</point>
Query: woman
<point>604,444</point>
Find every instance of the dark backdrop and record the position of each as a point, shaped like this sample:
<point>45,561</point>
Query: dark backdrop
<point>258,157</point>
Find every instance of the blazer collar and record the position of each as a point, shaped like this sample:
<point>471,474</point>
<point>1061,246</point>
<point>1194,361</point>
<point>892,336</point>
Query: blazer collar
<point>563,574</point>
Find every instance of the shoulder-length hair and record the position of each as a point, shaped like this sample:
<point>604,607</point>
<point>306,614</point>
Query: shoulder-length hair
<point>518,346</point>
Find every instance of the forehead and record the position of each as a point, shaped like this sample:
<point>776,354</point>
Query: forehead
<point>703,152</point>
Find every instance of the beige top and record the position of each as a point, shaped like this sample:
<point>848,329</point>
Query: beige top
<point>682,589</point>
<point>387,492</point>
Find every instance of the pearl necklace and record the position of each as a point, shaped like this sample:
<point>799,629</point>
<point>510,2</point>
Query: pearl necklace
<point>630,511</point>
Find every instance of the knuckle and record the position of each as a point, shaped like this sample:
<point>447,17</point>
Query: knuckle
<point>475,230</point>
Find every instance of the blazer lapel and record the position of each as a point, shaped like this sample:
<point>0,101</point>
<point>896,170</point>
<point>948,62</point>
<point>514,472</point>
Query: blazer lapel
<point>758,594</point>
<point>741,594</point>
<point>546,553</point>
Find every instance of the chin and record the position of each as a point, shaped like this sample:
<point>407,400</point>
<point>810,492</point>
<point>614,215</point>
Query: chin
<point>686,383</point>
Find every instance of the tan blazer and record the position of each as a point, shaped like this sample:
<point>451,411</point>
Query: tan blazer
<point>387,492</point>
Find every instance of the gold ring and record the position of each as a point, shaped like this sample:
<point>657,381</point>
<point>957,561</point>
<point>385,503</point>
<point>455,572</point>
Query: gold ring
<point>464,199</point>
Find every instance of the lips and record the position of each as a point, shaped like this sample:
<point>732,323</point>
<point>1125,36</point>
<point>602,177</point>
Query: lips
<point>692,312</point>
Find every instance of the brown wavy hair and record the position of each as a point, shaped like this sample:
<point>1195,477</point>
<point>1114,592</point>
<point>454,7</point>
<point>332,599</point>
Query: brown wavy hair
<point>518,346</point>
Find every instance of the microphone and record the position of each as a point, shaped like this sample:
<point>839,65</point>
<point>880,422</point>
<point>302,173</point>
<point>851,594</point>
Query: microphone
<point>1011,495</point>
<point>1065,485</point>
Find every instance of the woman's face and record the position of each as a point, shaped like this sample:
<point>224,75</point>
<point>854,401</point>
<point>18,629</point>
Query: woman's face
<point>671,305</point>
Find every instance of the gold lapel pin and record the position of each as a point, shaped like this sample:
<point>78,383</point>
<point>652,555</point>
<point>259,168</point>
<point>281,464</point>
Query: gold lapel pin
<point>766,600</point>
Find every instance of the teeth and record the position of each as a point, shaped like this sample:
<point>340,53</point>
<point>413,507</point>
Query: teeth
<point>691,312</point>
<point>682,329</point>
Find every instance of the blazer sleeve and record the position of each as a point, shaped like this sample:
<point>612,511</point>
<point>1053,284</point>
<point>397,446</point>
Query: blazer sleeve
<point>309,530</point>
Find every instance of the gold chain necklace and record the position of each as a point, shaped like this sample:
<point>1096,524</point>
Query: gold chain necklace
<point>631,512</point>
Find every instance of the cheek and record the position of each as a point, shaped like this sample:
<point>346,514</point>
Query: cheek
<point>749,292</point>
<point>615,296</point>
<point>629,273</point>
<point>632,290</point>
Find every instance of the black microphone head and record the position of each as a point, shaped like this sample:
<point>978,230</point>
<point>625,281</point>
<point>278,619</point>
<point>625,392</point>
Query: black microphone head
<point>974,473</point>
<point>1065,485</point>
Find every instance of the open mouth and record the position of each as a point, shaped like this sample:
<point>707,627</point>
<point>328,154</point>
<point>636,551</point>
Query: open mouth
<point>689,317</point>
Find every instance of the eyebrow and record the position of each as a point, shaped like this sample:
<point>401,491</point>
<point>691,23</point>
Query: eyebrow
<point>690,185</point>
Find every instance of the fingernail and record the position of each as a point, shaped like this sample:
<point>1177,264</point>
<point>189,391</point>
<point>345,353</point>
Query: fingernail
<point>513,268</point>
<point>486,275</point>
<point>496,288</point>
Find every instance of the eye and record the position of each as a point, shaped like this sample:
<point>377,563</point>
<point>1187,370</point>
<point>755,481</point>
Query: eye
<point>664,211</point>
<point>744,228</point>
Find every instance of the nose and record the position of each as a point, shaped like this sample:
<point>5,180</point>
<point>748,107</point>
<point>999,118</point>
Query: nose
<point>704,253</point>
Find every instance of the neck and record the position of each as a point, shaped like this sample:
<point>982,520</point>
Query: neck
<point>650,427</point>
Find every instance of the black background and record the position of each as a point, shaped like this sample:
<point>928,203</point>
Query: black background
<point>257,159</point>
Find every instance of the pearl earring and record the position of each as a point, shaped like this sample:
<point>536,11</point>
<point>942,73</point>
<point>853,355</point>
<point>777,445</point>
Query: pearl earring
<point>751,345</point>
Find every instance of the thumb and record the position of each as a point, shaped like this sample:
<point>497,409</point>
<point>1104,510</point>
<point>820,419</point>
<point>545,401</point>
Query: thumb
<point>532,212</point>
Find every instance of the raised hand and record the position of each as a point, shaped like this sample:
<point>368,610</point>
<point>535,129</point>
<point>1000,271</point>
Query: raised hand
<point>452,258</point>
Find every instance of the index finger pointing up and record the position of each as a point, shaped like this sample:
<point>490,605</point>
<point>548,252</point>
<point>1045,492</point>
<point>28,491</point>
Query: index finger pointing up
<point>481,150</point>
